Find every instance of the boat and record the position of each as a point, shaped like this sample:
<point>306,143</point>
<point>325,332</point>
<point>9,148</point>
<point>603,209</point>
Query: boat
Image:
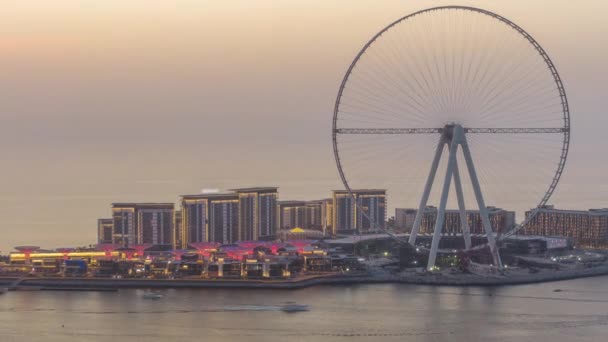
<point>3,290</point>
<point>557,290</point>
<point>152,295</point>
<point>293,307</point>
<point>250,308</point>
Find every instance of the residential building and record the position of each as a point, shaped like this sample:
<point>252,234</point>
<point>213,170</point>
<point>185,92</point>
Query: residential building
<point>105,231</point>
<point>292,214</point>
<point>362,211</point>
<point>327,214</point>
<point>143,223</point>
<point>301,214</point>
<point>125,224</point>
<point>314,215</point>
<point>257,213</point>
<point>404,219</point>
<point>223,218</point>
<point>178,230</point>
<point>501,220</point>
<point>155,223</point>
<point>210,218</point>
<point>588,228</point>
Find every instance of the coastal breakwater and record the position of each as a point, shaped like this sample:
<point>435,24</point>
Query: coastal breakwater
<point>413,278</point>
<point>347,279</point>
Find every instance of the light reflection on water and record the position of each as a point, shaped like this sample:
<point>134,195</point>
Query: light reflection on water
<point>365,312</point>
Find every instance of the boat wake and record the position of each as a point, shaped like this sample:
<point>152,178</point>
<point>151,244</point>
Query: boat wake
<point>226,308</point>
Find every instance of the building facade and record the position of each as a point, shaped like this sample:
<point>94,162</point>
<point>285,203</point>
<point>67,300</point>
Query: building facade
<point>501,220</point>
<point>142,223</point>
<point>125,224</point>
<point>178,234</point>
<point>404,219</point>
<point>105,231</point>
<point>327,213</point>
<point>292,214</point>
<point>257,213</point>
<point>224,219</point>
<point>588,228</point>
<point>194,210</point>
<point>363,211</point>
<point>155,223</point>
<point>314,215</point>
<point>210,218</point>
<point>302,214</point>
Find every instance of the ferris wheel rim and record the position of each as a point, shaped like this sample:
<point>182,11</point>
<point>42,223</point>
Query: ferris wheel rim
<point>547,60</point>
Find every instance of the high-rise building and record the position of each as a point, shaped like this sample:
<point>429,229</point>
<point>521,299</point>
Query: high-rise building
<point>404,219</point>
<point>327,213</point>
<point>347,215</point>
<point>588,228</point>
<point>178,233</point>
<point>224,218</point>
<point>257,213</point>
<point>292,214</point>
<point>105,230</point>
<point>194,210</point>
<point>501,220</point>
<point>302,214</point>
<point>125,224</point>
<point>143,223</point>
<point>210,218</point>
<point>314,215</point>
<point>155,222</point>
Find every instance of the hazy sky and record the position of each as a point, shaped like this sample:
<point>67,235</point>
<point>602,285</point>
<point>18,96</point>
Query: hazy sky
<point>114,100</point>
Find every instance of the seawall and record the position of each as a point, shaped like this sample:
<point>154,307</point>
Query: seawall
<point>426,279</point>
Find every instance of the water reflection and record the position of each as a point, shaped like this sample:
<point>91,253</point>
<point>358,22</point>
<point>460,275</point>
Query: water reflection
<point>387,312</point>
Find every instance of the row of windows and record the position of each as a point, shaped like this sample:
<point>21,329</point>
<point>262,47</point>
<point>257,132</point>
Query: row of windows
<point>588,230</point>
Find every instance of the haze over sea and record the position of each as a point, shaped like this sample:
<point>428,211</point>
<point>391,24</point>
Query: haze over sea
<point>386,312</point>
<point>112,101</point>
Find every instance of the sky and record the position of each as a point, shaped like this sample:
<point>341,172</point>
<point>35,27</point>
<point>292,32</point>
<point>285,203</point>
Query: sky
<point>115,101</point>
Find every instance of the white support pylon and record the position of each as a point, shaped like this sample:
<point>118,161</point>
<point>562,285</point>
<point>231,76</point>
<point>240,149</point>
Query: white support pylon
<point>442,203</point>
<point>483,210</point>
<point>464,222</point>
<point>427,190</point>
<point>454,135</point>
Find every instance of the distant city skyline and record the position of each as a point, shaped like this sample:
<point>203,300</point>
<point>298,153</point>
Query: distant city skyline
<point>243,214</point>
<point>129,103</point>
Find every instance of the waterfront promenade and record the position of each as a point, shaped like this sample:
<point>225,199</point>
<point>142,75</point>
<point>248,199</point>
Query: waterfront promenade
<point>443,279</point>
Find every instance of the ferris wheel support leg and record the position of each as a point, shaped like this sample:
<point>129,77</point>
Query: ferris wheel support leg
<point>483,210</point>
<point>464,222</point>
<point>427,190</point>
<point>443,202</point>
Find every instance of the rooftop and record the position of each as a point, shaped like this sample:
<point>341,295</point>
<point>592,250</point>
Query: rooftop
<point>143,205</point>
<point>213,195</point>
<point>257,189</point>
<point>359,191</point>
<point>294,203</point>
<point>551,209</point>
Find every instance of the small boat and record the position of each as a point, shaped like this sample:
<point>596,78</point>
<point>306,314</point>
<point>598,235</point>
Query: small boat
<point>250,308</point>
<point>152,295</point>
<point>557,290</point>
<point>293,307</point>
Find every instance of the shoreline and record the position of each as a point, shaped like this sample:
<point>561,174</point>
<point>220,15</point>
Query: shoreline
<point>104,284</point>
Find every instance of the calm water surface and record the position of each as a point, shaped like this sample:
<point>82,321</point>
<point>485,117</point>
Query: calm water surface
<point>365,313</point>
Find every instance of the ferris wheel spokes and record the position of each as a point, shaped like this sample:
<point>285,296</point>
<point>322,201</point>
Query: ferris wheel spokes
<point>453,70</point>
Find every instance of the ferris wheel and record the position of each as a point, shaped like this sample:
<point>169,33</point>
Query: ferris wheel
<point>461,92</point>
